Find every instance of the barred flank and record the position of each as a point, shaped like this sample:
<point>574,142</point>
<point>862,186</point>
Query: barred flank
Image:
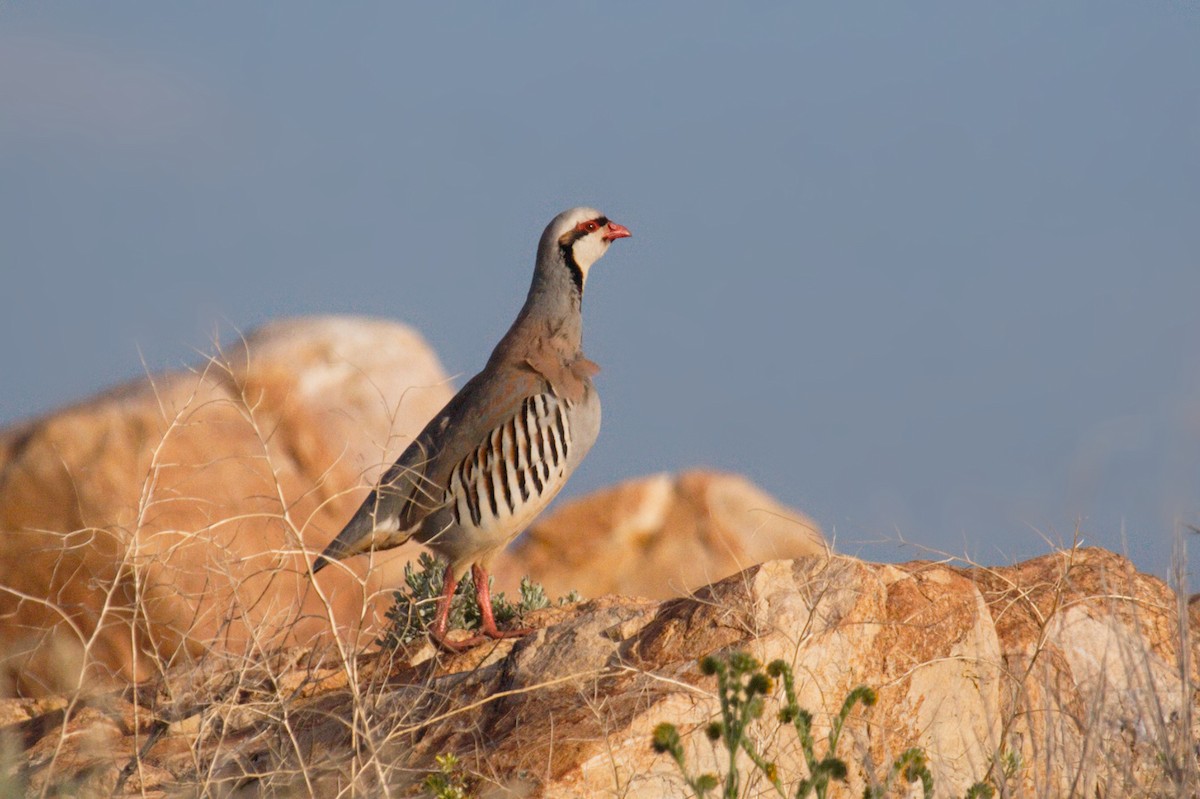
<point>517,463</point>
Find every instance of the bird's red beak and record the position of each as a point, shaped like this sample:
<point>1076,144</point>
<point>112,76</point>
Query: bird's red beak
<point>615,232</point>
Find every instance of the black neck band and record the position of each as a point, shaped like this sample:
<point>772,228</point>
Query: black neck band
<point>568,253</point>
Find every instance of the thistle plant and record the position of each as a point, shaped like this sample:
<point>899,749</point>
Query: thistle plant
<point>742,688</point>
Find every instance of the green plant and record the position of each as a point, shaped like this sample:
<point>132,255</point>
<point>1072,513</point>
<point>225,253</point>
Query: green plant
<point>1011,763</point>
<point>448,782</point>
<point>414,606</point>
<point>742,688</point>
<point>911,766</point>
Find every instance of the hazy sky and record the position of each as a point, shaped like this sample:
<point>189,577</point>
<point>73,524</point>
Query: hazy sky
<point>927,272</point>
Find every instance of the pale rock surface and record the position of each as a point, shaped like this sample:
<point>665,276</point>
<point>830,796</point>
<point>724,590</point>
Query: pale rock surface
<point>1060,676</point>
<point>171,514</point>
<point>659,536</point>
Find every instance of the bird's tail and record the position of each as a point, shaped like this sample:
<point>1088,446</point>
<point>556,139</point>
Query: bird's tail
<point>354,537</point>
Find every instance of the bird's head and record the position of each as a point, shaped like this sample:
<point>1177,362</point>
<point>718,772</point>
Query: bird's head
<point>580,236</point>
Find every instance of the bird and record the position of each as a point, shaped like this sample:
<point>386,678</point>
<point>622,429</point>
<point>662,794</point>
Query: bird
<point>502,448</point>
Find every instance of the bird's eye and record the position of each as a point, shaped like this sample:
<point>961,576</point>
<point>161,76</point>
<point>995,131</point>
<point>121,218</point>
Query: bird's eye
<point>591,227</point>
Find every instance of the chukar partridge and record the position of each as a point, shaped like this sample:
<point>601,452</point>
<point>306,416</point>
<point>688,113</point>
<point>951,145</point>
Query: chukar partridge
<point>504,446</point>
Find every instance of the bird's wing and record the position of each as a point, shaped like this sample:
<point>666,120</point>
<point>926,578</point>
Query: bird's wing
<point>415,486</point>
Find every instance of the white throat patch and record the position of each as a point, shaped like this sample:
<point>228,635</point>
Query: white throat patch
<point>587,251</point>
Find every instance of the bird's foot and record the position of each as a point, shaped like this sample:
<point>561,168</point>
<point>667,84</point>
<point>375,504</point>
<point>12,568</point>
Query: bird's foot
<point>497,634</point>
<point>444,643</point>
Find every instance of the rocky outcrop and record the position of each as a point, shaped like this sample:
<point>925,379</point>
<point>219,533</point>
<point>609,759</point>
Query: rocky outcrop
<point>1067,675</point>
<point>169,515</point>
<point>659,537</point>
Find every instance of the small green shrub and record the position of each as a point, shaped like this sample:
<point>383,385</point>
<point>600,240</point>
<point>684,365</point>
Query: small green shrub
<point>415,606</point>
<point>742,686</point>
<point>448,782</point>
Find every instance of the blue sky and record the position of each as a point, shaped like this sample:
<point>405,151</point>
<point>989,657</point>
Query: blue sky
<point>928,272</point>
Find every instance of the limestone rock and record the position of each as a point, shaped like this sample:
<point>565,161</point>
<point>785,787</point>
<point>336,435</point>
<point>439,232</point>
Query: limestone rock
<point>659,536</point>
<point>1067,675</point>
<point>171,514</point>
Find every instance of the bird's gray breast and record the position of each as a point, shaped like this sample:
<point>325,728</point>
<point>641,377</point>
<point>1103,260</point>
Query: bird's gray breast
<point>498,489</point>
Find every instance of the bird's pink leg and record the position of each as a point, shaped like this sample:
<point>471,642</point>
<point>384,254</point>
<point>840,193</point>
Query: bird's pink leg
<point>440,622</point>
<point>483,595</point>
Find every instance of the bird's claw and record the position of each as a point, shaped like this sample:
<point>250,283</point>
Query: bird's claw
<point>444,643</point>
